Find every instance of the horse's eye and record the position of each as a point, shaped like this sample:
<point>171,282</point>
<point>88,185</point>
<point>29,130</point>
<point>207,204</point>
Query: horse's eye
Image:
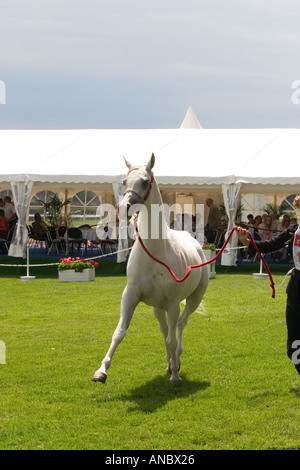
<point>145,182</point>
<point>124,181</point>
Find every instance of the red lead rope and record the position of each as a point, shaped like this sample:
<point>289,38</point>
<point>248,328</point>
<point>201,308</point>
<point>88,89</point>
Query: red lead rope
<point>272,284</point>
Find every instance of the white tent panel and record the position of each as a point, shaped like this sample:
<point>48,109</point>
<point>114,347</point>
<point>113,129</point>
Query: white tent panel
<point>250,158</point>
<point>183,156</point>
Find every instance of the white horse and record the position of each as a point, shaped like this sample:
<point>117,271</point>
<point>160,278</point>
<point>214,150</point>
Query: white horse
<point>149,281</point>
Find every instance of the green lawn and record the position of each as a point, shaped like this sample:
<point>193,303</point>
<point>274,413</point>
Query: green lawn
<point>238,389</point>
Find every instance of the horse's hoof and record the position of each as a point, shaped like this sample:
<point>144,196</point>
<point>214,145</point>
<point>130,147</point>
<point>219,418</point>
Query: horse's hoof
<point>175,379</point>
<point>99,377</point>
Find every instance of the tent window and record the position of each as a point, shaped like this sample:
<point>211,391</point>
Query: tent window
<point>6,192</point>
<point>35,204</point>
<point>85,207</point>
<point>287,204</point>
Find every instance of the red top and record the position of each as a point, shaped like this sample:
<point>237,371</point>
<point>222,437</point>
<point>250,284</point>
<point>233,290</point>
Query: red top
<point>4,227</point>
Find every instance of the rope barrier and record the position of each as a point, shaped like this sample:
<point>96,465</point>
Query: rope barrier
<point>272,284</point>
<point>56,264</point>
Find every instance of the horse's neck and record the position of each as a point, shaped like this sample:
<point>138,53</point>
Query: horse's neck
<point>152,222</point>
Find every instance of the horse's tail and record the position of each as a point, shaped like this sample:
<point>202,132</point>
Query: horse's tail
<point>201,309</point>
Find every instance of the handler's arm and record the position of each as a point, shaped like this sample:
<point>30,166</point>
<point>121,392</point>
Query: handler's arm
<point>266,246</point>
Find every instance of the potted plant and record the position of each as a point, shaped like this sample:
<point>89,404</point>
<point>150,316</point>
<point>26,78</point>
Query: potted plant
<point>76,269</point>
<point>209,251</point>
<point>53,209</point>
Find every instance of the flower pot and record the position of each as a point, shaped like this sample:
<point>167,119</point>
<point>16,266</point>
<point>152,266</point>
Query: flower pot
<point>70,275</point>
<point>209,254</point>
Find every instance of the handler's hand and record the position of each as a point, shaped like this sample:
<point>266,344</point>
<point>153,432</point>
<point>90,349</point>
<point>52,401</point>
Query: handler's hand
<point>243,236</point>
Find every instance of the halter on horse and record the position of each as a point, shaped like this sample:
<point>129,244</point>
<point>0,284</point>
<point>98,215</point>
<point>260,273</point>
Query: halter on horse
<point>149,281</point>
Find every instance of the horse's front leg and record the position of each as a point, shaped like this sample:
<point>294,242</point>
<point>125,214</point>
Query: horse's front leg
<point>171,341</point>
<point>128,304</point>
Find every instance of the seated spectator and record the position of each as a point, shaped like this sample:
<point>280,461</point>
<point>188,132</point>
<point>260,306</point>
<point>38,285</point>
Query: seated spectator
<point>39,227</point>
<point>4,225</point>
<point>250,220</point>
<point>265,228</point>
<point>4,229</point>
<point>285,223</point>
<point>257,221</point>
<point>275,224</point>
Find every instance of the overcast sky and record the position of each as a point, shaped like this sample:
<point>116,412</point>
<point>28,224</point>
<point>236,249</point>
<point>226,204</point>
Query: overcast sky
<point>140,64</point>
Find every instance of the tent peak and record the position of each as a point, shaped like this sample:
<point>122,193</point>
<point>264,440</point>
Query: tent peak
<point>190,120</point>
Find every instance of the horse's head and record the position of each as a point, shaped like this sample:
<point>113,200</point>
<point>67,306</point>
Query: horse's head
<point>137,186</point>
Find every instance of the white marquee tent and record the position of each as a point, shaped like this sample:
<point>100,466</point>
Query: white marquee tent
<point>235,160</point>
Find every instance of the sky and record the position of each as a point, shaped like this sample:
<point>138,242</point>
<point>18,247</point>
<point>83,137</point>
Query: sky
<point>124,64</point>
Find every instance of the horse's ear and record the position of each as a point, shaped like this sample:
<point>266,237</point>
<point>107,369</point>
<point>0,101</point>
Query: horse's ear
<point>151,162</point>
<point>128,164</point>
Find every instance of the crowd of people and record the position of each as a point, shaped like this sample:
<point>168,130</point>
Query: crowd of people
<point>213,229</point>
<point>287,238</point>
<point>265,227</point>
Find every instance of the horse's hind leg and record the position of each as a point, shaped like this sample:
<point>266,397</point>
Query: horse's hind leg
<point>171,341</point>
<point>192,303</point>
<point>160,314</point>
<point>128,305</point>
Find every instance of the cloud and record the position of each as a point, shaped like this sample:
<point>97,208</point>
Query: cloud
<point>123,63</point>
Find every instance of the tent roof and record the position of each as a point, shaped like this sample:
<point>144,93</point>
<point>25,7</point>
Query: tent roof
<point>183,156</point>
<point>190,120</point>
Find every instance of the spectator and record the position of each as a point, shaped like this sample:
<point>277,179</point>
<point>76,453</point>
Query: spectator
<point>275,224</point>
<point>39,227</point>
<point>257,221</point>
<point>4,229</point>
<point>265,228</point>
<point>214,222</point>
<point>4,225</point>
<point>10,211</point>
<point>285,223</point>
<point>250,220</point>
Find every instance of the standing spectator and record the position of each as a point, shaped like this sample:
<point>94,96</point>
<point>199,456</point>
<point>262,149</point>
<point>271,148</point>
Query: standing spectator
<point>214,221</point>
<point>10,211</point>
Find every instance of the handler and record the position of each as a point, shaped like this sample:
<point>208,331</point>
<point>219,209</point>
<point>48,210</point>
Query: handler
<point>290,236</point>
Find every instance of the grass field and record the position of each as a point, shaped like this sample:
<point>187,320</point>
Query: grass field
<point>238,389</point>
